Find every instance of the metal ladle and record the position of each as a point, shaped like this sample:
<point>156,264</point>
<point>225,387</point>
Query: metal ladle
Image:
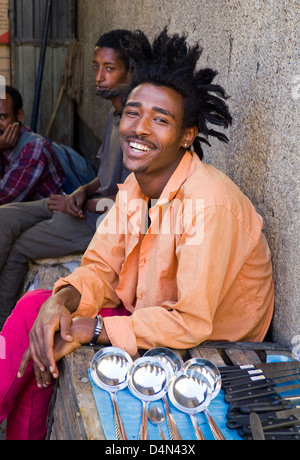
<point>191,393</point>
<point>173,363</point>
<point>109,368</point>
<point>211,372</point>
<point>147,380</point>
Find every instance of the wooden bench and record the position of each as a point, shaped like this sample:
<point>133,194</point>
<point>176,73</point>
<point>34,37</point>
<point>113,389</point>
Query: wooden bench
<point>74,415</point>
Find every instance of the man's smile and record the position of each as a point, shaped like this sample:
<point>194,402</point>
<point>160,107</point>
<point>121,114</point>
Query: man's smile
<point>137,147</point>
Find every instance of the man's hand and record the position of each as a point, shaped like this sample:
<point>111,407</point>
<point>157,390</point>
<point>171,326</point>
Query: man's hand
<point>10,137</point>
<point>58,203</point>
<point>75,202</point>
<point>55,315</point>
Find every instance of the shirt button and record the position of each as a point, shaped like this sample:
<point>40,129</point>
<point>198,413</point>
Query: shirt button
<point>143,261</point>
<point>139,294</point>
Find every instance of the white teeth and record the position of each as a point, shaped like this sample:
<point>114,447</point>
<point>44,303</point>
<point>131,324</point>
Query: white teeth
<point>139,147</point>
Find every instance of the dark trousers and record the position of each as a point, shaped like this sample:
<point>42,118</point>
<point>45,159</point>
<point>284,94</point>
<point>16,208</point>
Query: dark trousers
<point>30,231</point>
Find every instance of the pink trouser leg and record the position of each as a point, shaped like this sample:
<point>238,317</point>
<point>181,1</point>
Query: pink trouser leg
<point>22,403</point>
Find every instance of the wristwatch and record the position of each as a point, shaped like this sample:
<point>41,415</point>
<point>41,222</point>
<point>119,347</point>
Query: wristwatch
<point>98,330</point>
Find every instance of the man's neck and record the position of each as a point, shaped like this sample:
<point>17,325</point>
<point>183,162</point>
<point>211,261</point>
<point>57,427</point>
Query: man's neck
<point>152,185</point>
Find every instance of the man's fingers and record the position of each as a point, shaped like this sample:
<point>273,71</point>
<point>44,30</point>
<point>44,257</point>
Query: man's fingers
<point>43,379</point>
<point>24,363</point>
<point>65,328</point>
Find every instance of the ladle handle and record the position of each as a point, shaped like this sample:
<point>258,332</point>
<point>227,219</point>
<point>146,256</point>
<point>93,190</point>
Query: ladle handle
<point>198,432</point>
<point>143,435</point>
<point>173,430</point>
<point>215,430</point>
<point>119,427</point>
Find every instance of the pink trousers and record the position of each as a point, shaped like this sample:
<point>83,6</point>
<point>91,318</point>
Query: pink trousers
<point>22,404</point>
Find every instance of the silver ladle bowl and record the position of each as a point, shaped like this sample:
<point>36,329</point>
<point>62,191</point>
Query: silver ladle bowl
<point>147,380</point>
<point>191,393</point>
<point>208,370</point>
<point>109,368</point>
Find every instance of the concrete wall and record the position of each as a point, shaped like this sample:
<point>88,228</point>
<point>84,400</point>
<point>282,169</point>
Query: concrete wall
<point>254,44</point>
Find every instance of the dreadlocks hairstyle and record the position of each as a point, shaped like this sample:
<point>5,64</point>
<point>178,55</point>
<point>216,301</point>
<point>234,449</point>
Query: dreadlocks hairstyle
<point>171,62</point>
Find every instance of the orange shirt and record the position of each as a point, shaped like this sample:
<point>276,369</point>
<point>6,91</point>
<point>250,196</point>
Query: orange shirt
<point>201,272</point>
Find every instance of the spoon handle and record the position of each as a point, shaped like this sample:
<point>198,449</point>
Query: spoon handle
<point>198,432</point>
<point>212,424</point>
<point>143,435</point>
<point>162,433</point>
<point>173,430</point>
<point>119,427</point>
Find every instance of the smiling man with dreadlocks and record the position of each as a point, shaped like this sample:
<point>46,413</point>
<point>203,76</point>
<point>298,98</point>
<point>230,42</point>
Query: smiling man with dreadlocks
<point>182,249</point>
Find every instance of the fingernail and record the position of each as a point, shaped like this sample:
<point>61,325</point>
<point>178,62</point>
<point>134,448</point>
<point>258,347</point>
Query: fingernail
<point>19,375</point>
<point>55,376</point>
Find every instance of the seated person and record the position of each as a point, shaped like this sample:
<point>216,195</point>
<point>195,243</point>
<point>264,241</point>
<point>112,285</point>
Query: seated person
<point>29,170</point>
<point>180,258</point>
<point>65,224</point>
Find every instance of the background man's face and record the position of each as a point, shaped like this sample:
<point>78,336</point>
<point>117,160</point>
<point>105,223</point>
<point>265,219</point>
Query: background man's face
<point>110,70</point>
<point>7,115</point>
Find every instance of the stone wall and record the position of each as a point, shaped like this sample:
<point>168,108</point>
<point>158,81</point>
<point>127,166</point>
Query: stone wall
<point>254,45</point>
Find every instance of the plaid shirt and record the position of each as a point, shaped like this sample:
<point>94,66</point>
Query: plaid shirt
<point>33,175</point>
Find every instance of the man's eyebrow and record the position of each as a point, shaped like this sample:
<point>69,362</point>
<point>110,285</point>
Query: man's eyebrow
<point>155,108</point>
<point>163,111</point>
<point>104,63</point>
<point>133,104</point>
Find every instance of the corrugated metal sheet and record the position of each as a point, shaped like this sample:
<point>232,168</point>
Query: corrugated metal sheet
<point>27,23</point>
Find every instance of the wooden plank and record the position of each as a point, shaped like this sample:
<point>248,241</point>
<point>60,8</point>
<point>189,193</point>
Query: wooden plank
<point>75,416</point>
<point>78,365</point>
<point>211,354</point>
<point>263,346</point>
<point>240,356</point>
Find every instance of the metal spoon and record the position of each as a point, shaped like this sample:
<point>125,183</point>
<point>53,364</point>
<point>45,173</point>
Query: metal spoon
<point>109,368</point>
<point>157,417</point>
<point>211,372</point>
<point>147,380</point>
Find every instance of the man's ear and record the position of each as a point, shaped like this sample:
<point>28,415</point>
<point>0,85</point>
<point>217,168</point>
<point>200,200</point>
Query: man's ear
<point>20,115</point>
<point>189,136</point>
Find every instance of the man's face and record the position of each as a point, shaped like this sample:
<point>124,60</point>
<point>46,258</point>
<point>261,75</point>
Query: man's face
<point>110,70</point>
<point>7,116</point>
<point>151,131</point>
